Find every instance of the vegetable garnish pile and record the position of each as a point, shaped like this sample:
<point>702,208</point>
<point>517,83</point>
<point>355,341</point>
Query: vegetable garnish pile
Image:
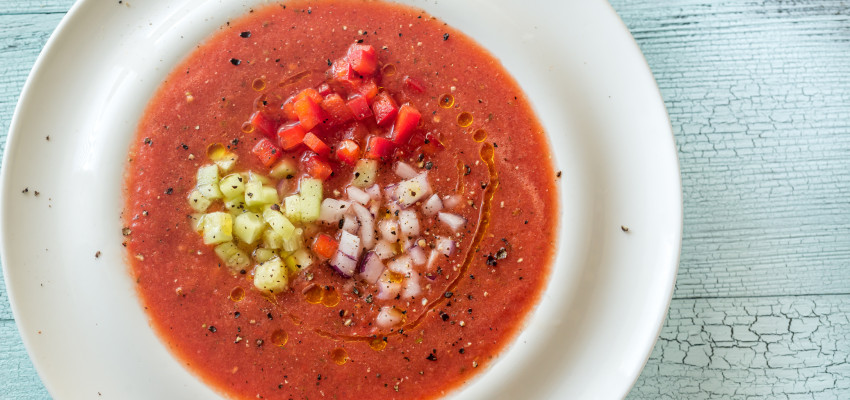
<point>277,224</point>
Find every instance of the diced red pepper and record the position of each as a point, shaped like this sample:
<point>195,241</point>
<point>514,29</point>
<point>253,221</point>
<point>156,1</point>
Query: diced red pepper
<point>405,123</point>
<point>264,123</point>
<point>414,84</point>
<point>309,113</point>
<point>324,89</point>
<point>359,106</point>
<point>363,59</point>
<point>378,148</point>
<point>267,152</point>
<point>288,109</point>
<point>317,145</point>
<point>324,245</point>
<point>313,94</point>
<point>317,168</point>
<point>384,108</point>
<point>341,72</point>
<point>348,152</point>
<point>336,109</point>
<point>291,135</point>
<point>367,88</point>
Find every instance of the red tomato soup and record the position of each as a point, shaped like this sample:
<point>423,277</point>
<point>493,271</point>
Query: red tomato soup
<point>339,199</point>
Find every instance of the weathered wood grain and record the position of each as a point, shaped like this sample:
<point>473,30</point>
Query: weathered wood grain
<point>759,97</point>
<point>35,6</point>
<point>751,348</point>
<point>18,379</point>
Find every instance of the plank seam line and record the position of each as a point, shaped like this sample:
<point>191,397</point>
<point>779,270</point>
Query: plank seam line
<point>13,14</point>
<point>760,296</point>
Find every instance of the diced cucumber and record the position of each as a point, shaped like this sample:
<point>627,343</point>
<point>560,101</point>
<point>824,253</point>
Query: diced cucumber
<point>303,258</point>
<point>262,254</point>
<point>248,227</point>
<point>291,265</point>
<point>283,168</point>
<point>208,175</point>
<point>311,199</point>
<point>232,186</point>
<point>197,221</point>
<point>227,161</point>
<point>292,207</point>
<point>253,193</point>
<point>197,201</point>
<point>218,227</point>
<point>233,257</point>
<point>236,204</point>
<point>208,182</point>
<point>279,223</point>
<point>294,242</point>
<point>257,195</point>
<point>365,172</point>
<point>253,176</point>
<point>271,276</point>
<point>272,239</point>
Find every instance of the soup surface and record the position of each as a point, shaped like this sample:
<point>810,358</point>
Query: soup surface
<point>415,183</point>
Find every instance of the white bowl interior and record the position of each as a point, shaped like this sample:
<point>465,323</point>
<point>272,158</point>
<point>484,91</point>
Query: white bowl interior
<point>598,319</point>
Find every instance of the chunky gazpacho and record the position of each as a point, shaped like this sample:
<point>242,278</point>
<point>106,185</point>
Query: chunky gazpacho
<point>341,199</point>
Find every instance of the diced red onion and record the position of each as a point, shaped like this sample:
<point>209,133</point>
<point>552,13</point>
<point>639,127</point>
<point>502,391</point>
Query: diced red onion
<point>451,201</point>
<point>371,267</point>
<point>404,170</point>
<point>389,230</point>
<point>358,195</point>
<point>374,192</point>
<point>387,289</point>
<point>417,255</point>
<point>374,208</point>
<point>432,259</point>
<point>332,210</point>
<point>446,246</point>
<point>384,250</point>
<point>367,225</point>
<point>284,188</point>
<point>431,277</point>
<point>349,245</point>
<point>432,206</point>
<point>411,287</point>
<point>401,265</point>
<point>408,222</point>
<point>412,190</point>
<point>350,224</point>
<point>388,317</point>
<point>454,221</point>
<point>390,192</point>
<point>343,264</point>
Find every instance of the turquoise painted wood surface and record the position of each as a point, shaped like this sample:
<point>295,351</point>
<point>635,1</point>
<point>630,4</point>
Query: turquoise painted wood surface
<point>759,97</point>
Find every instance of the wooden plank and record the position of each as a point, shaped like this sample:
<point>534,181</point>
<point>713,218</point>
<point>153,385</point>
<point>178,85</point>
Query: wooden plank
<point>751,348</point>
<point>36,6</point>
<point>18,379</point>
<point>759,98</point>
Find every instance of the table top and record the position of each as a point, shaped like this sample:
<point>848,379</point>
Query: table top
<point>759,98</point>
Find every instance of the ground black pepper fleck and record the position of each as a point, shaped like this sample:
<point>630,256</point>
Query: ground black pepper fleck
<point>235,61</point>
<point>445,36</point>
<point>245,34</point>
<point>212,329</point>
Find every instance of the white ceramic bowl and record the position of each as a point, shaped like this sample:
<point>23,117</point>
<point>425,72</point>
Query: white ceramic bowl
<point>598,319</point>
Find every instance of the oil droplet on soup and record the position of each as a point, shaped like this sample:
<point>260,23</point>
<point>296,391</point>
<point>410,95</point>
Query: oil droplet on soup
<point>339,356</point>
<point>237,294</point>
<point>378,344</point>
<point>215,151</point>
<point>464,119</point>
<point>331,298</point>
<point>247,127</point>
<point>259,84</point>
<point>389,70</point>
<point>447,101</point>
<point>314,295</point>
<point>479,135</point>
<point>279,338</point>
